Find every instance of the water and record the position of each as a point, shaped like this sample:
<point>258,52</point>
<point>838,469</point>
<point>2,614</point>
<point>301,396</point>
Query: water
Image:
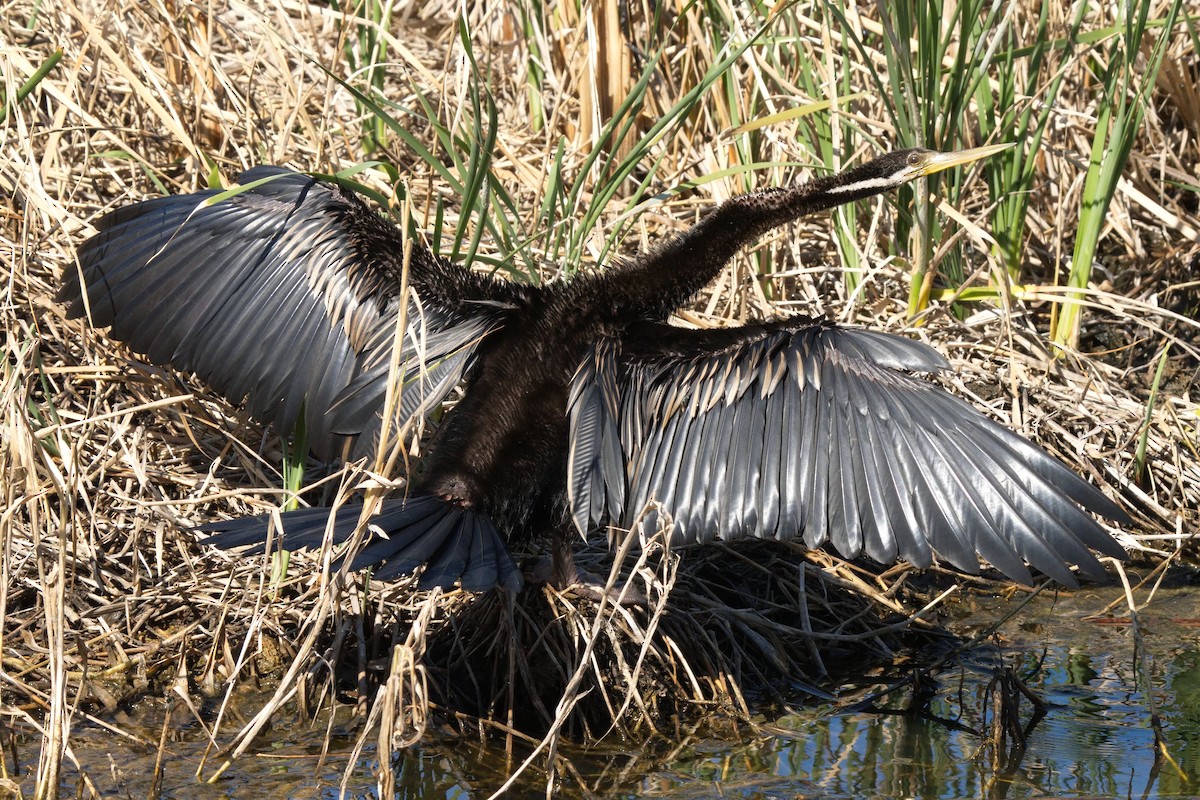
<point>1095,739</point>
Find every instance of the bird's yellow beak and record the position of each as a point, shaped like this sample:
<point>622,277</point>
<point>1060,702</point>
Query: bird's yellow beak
<point>936,162</point>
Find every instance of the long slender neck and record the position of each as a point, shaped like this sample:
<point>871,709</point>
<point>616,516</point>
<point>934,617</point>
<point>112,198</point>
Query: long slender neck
<point>658,282</point>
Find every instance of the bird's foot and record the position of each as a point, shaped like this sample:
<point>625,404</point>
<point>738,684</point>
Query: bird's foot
<point>565,577</point>
<point>592,587</point>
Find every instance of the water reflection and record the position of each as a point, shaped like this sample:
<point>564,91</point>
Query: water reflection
<point>1095,740</point>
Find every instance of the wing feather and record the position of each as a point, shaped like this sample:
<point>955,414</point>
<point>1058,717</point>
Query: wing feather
<point>285,295</point>
<point>774,428</point>
<point>800,428</point>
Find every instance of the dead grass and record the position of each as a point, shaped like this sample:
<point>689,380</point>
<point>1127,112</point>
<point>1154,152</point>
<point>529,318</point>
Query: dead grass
<point>106,597</point>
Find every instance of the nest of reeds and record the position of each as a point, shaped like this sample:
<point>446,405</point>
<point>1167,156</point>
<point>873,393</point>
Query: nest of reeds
<point>718,635</point>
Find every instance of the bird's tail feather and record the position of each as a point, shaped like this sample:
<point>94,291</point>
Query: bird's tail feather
<point>452,542</point>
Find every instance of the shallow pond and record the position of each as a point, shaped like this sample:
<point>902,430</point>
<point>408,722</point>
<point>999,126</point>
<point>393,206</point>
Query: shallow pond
<point>1095,739</point>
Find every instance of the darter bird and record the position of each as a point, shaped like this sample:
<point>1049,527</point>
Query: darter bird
<point>580,403</point>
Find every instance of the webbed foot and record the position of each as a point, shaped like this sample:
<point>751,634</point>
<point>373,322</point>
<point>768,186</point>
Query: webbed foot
<point>559,570</point>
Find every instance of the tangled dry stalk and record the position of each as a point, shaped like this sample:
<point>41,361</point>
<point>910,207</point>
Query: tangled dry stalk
<point>107,460</point>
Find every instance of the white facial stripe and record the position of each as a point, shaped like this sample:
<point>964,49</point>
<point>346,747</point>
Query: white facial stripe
<point>870,183</point>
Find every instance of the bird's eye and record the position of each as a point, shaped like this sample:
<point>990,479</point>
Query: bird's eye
<point>914,159</point>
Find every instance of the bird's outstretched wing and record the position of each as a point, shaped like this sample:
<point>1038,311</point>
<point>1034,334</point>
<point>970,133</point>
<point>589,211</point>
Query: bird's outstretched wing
<point>286,295</point>
<point>802,428</point>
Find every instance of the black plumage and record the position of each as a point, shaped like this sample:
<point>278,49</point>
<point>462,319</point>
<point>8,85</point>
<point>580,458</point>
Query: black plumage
<point>581,404</point>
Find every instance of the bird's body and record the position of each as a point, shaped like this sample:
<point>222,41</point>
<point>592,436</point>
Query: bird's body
<point>580,403</point>
<point>502,449</point>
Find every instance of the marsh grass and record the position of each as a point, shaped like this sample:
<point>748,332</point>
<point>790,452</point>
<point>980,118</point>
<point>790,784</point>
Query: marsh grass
<point>1127,68</point>
<point>492,134</point>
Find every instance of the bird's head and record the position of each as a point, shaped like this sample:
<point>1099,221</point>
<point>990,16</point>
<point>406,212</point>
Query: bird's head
<point>901,166</point>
